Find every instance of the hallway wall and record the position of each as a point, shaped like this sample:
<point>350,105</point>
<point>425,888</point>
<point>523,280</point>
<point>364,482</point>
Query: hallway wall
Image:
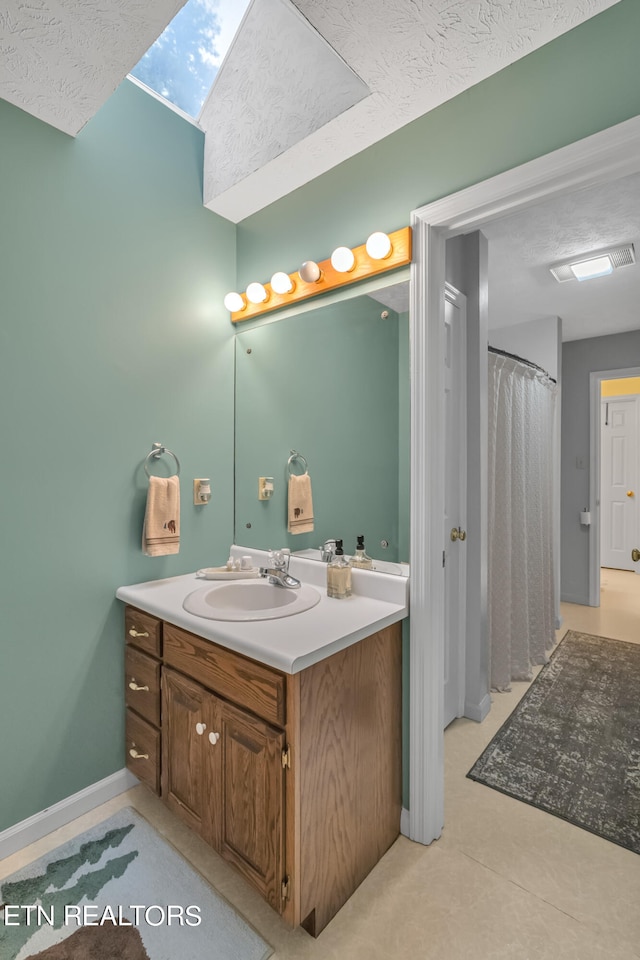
<point>579,359</point>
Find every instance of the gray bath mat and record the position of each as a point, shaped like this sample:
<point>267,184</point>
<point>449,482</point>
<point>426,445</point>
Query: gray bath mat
<point>572,745</point>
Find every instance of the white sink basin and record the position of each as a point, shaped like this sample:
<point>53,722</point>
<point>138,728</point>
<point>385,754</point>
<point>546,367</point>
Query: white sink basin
<point>249,600</point>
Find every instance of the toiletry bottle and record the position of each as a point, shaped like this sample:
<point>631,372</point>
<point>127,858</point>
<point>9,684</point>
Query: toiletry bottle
<point>338,575</point>
<point>360,558</point>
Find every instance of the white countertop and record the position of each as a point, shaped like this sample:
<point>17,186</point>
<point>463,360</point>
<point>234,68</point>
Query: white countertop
<point>288,643</point>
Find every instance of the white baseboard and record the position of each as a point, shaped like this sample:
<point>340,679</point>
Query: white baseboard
<point>404,822</point>
<point>478,711</point>
<point>40,824</point>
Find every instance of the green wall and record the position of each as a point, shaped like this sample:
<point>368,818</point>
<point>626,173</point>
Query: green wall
<point>582,82</point>
<point>112,336</point>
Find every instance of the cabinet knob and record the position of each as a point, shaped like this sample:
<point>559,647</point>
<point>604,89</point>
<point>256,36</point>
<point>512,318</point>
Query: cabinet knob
<point>213,738</point>
<point>138,756</point>
<point>200,728</point>
<point>135,686</point>
<point>138,633</point>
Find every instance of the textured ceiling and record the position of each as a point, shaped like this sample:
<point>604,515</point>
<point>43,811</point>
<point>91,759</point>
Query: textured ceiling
<point>290,83</point>
<point>61,59</point>
<point>522,246</point>
<point>412,54</point>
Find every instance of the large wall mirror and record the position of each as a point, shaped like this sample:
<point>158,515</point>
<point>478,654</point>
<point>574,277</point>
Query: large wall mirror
<point>333,384</point>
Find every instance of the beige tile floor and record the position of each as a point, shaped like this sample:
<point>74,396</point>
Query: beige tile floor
<point>504,881</point>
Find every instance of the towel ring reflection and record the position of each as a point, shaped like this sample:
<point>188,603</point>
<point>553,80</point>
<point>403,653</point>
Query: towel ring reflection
<point>156,453</point>
<point>297,456</point>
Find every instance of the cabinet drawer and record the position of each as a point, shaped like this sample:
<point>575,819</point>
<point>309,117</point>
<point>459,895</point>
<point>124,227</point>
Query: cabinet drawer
<point>143,631</point>
<point>142,684</point>
<point>143,750</point>
<point>251,685</point>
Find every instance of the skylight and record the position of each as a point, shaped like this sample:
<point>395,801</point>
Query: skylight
<point>183,62</point>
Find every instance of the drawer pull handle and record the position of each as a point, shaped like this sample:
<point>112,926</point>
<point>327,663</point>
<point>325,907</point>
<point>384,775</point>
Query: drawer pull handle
<point>138,633</point>
<point>135,686</point>
<point>138,756</point>
<point>213,738</point>
<point>200,728</point>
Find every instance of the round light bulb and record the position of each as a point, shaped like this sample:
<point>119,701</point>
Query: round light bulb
<point>343,260</point>
<point>234,302</point>
<point>256,293</point>
<point>310,272</point>
<point>281,283</point>
<point>378,246</point>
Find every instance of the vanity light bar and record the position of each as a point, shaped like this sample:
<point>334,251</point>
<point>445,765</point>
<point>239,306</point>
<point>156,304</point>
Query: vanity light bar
<point>328,278</point>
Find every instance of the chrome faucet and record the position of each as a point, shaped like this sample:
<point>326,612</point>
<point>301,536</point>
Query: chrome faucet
<point>328,551</point>
<point>278,570</point>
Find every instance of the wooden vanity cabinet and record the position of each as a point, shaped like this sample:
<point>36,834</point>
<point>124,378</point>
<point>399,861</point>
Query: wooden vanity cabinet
<point>143,651</point>
<point>223,775</point>
<point>293,778</point>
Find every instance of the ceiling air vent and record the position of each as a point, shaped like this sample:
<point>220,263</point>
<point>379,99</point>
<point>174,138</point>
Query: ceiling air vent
<point>596,264</point>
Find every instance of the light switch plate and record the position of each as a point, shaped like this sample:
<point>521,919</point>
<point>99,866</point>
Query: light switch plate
<point>265,488</point>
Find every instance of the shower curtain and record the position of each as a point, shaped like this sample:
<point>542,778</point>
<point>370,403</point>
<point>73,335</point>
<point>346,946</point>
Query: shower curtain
<point>521,583</point>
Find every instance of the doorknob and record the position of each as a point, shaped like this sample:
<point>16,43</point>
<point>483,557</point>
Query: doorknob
<point>630,493</point>
<point>635,554</point>
<point>458,534</point>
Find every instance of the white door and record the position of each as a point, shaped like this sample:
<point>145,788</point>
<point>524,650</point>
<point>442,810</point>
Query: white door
<point>455,467</point>
<point>618,482</point>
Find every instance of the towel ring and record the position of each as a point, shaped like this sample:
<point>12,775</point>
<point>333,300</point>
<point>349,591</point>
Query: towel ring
<point>156,453</point>
<point>297,456</point>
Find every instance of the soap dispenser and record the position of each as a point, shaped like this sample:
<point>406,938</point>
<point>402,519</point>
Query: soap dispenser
<point>360,558</point>
<point>338,575</point>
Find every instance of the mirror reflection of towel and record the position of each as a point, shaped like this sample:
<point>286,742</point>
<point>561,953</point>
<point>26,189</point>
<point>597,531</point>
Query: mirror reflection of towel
<point>161,530</point>
<point>300,504</point>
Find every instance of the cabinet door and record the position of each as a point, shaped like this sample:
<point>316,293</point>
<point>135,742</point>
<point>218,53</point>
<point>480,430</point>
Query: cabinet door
<point>251,812</point>
<point>191,764</point>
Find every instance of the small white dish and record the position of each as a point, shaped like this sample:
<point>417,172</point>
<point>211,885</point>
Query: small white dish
<point>222,573</point>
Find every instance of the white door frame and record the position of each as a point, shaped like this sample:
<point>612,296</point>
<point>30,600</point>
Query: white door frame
<point>595,459</point>
<point>459,301</point>
<point>602,157</point>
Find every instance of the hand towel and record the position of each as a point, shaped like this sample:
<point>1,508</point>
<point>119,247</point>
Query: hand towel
<point>161,530</point>
<point>300,504</point>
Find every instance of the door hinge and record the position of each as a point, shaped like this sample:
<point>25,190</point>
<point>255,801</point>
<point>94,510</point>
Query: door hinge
<point>286,758</point>
<point>285,891</point>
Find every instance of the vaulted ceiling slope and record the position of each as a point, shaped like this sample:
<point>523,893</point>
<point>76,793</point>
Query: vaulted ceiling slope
<point>304,86</point>
<point>60,60</point>
<point>412,55</point>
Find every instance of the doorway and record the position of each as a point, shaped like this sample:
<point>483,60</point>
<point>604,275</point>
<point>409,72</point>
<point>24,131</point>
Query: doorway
<point>600,446</point>
<point>604,156</point>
